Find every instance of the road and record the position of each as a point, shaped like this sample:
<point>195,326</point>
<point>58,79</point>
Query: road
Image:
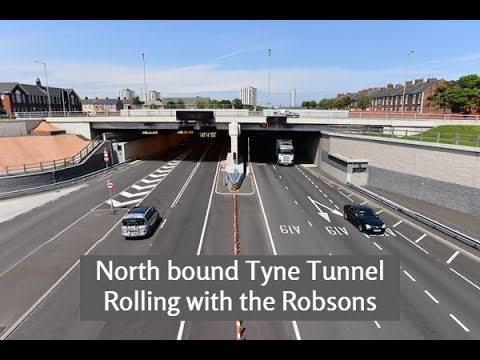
<point>279,214</point>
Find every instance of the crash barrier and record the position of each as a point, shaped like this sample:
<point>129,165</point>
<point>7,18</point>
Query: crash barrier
<point>236,251</point>
<point>234,179</point>
<point>422,218</point>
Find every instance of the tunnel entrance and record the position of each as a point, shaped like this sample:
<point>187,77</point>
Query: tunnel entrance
<point>263,145</point>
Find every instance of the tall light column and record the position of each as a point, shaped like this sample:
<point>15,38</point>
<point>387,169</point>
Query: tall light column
<point>405,81</point>
<point>269,70</point>
<point>48,91</point>
<point>144,77</point>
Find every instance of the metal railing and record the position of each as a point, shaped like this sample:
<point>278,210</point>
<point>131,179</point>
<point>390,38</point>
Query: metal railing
<point>45,166</point>
<point>410,115</point>
<point>421,218</point>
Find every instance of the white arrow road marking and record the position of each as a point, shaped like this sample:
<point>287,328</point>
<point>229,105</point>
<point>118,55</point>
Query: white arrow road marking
<point>121,204</point>
<point>321,212</point>
<point>146,181</point>
<point>138,187</point>
<point>130,195</point>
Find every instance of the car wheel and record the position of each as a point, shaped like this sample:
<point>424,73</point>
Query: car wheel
<point>345,216</point>
<point>360,228</point>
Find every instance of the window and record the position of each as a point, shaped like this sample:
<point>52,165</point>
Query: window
<point>18,96</point>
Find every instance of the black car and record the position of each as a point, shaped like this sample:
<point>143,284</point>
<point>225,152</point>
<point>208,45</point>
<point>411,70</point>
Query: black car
<point>364,218</point>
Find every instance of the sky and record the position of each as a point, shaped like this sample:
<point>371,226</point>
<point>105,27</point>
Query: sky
<point>215,58</point>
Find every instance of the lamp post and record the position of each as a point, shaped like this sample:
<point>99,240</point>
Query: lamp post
<point>144,77</point>
<point>405,81</point>
<point>46,79</point>
<point>269,70</point>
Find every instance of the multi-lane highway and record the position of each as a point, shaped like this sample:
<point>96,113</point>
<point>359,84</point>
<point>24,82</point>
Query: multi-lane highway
<point>282,211</point>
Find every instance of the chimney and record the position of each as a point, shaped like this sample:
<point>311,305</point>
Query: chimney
<point>398,85</point>
<point>418,81</point>
<point>118,97</point>
<point>37,81</point>
<point>390,86</point>
<point>96,98</point>
<point>431,80</point>
<point>409,82</point>
<point>86,97</point>
<point>106,98</point>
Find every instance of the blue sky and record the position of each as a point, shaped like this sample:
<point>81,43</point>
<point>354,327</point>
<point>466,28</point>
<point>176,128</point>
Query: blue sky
<point>318,58</point>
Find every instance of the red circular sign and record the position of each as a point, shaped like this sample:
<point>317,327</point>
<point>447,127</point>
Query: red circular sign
<point>110,184</point>
<point>223,164</point>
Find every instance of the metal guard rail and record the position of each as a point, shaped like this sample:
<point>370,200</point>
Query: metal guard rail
<point>422,218</point>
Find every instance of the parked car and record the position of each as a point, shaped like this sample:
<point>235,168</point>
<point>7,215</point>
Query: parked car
<point>364,218</point>
<point>286,113</point>
<point>140,222</point>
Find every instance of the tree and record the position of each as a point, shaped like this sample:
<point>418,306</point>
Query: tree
<point>201,104</point>
<point>326,104</point>
<point>181,104</point>
<point>312,104</point>
<point>153,106</point>
<point>136,101</point>
<point>363,102</point>
<point>459,96</point>
<point>342,102</point>
<point>171,105</point>
<point>306,104</point>
<point>237,103</point>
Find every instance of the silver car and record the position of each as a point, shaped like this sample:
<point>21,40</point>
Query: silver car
<point>140,221</point>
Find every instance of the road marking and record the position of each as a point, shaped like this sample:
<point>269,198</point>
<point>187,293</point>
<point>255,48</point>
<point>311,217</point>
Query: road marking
<point>130,195</point>
<point>399,233</point>
<point>459,323</point>
<point>279,176</point>
<point>146,181</point>
<point>339,188</point>
<point>410,276</point>
<point>182,190</point>
<point>118,204</point>
<point>316,186</point>
<point>138,187</point>
<point>308,179</point>
<point>325,195</point>
<point>274,250</point>
<point>420,238</point>
<point>327,183</point>
<point>55,285</point>
<point>350,195</point>
<point>312,182</point>
<point>274,168</point>
<point>379,211</point>
<point>378,325</point>
<point>163,223</point>
<point>378,246</point>
<point>366,235</point>
<point>286,187</point>
<point>398,223</point>
<point>330,254</point>
<point>296,202</point>
<point>363,203</point>
<point>330,201</point>
<point>202,235</point>
<point>320,190</point>
<point>431,297</point>
<point>337,207</point>
<point>309,223</point>
<point>464,278</point>
<point>135,162</point>
<point>346,196</point>
<point>453,257</point>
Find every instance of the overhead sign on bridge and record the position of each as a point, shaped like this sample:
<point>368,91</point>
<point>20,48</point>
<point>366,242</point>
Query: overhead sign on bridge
<point>195,115</point>
<point>276,120</point>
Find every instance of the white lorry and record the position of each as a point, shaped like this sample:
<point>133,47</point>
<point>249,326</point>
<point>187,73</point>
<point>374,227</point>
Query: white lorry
<point>284,152</point>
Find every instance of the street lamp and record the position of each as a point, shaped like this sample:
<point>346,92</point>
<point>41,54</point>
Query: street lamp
<point>405,82</point>
<point>46,79</point>
<point>144,77</point>
<point>269,70</point>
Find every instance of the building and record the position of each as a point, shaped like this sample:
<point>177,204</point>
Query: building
<point>390,98</point>
<point>126,94</point>
<point>153,95</point>
<point>293,97</point>
<point>248,96</point>
<point>16,97</point>
<point>101,105</point>
<point>127,104</point>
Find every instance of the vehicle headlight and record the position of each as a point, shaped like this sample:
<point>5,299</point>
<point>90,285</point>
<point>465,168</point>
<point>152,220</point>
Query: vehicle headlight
<point>384,226</point>
<point>368,227</point>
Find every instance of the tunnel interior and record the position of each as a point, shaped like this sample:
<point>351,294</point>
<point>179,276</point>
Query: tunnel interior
<point>263,145</point>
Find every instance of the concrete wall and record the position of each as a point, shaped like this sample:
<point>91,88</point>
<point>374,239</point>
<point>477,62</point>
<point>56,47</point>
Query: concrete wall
<point>76,128</point>
<point>151,145</point>
<point>445,175</point>
<point>18,127</point>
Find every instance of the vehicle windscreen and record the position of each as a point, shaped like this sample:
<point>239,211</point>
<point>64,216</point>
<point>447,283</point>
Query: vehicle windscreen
<point>366,213</point>
<point>285,151</point>
<point>133,222</point>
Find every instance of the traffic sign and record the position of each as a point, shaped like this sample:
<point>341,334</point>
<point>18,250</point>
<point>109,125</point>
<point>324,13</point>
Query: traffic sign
<point>223,164</point>
<point>110,184</point>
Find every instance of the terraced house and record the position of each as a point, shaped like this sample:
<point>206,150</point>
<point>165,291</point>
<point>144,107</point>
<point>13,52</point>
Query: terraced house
<point>19,98</point>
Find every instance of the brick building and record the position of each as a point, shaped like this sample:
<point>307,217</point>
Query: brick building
<point>102,105</point>
<point>390,98</point>
<point>16,97</point>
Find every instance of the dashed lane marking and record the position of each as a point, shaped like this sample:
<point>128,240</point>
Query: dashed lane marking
<point>309,223</point>
<point>431,297</point>
<point>464,278</point>
<point>346,196</point>
<point>450,259</point>
<point>410,276</point>
<point>420,238</point>
<point>398,223</point>
<point>378,325</point>
<point>378,246</point>
<point>459,323</point>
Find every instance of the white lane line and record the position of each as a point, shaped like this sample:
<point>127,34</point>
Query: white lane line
<point>379,211</point>
<point>330,254</point>
<point>398,223</point>
<point>337,207</point>
<point>363,203</point>
<point>366,235</point>
<point>420,238</point>
<point>459,323</point>
<point>327,183</point>
<point>378,246</point>
<point>316,186</point>
<point>308,179</point>
<point>135,162</point>
<point>163,223</point>
<point>202,235</point>
<point>399,233</point>
<point>286,187</point>
<point>274,168</point>
<point>312,182</point>
<point>279,176</point>
<point>453,257</point>
<point>309,223</point>
<point>320,190</point>
<point>274,250</point>
<point>184,187</point>
<point>330,201</point>
<point>325,195</point>
<point>431,297</point>
<point>55,285</point>
<point>378,325</point>
<point>346,196</point>
<point>180,330</point>
<point>339,188</point>
<point>410,276</point>
<point>464,278</point>
<point>296,202</point>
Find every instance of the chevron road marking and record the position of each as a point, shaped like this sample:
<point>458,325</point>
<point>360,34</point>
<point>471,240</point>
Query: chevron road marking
<point>130,195</point>
<point>138,187</point>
